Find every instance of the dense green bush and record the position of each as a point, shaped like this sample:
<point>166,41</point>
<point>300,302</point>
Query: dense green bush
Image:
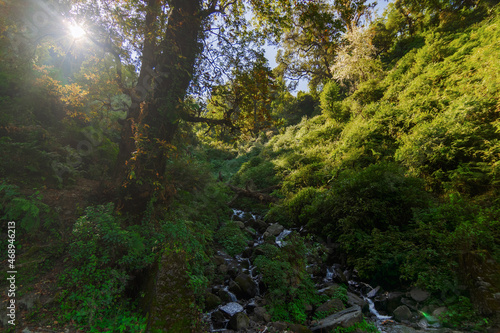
<point>380,196</point>
<point>27,211</point>
<point>289,286</point>
<point>232,238</point>
<point>103,256</point>
<point>257,172</point>
<point>442,234</point>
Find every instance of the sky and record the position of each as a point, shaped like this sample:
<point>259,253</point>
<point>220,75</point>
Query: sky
<point>302,86</point>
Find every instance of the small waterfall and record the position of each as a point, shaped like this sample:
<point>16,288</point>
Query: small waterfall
<point>329,274</point>
<point>374,311</point>
<point>233,296</point>
<point>238,213</point>
<point>259,241</point>
<point>283,234</point>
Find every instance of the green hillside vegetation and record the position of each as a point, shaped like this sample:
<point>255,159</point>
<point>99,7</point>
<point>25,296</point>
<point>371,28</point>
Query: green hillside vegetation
<point>403,172</point>
<point>393,155</point>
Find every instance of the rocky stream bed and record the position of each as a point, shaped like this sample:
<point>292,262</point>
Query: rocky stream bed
<point>239,304</point>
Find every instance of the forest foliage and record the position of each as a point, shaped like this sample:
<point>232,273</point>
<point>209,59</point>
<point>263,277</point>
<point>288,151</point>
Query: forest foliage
<point>393,153</point>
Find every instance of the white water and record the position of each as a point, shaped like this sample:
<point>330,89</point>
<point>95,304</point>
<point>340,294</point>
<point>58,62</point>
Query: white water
<point>374,311</point>
<point>329,274</point>
<point>239,213</point>
<point>283,234</point>
<point>233,296</point>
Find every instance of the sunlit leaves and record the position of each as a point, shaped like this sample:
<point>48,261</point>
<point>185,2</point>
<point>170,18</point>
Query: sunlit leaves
<point>355,59</point>
<point>245,100</point>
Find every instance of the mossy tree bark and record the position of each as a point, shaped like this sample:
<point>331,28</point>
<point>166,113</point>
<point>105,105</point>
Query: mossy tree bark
<point>152,122</point>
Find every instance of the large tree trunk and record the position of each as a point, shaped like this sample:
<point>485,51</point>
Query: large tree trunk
<point>151,125</point>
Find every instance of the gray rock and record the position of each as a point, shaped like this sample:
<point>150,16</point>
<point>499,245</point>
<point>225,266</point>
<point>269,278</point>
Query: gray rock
<point>218,319</point>
<point>239,321</point>
<point>218,260</point>
<point>354,300</point>
<point>274,229</point>
<point>393,300</point>
<point>334,305</point>
<point>402,313</point>
<point>231,308</point>
<point>258,225</point>
<point>261,314</point>
<point>439,311</point>
<point>280,326</point>
<point>343,318</point>
<point>297,328</point>
<point>419,295</point>
<point>236,289</point>
<point>373,292</point>
<point>233,269</point>
<point>247,285</point>
<point>240,224</point>
<point>222,269</point>
<point>329,291</point>
<point>211,301</point>
<point>225,296</point>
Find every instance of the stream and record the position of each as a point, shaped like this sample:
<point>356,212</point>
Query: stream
<point>242,300</point>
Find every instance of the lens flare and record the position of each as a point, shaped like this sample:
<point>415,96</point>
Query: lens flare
<point>76,31</point>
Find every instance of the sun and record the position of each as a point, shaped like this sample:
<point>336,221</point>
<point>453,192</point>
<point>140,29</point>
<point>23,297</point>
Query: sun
<point>76,31</point>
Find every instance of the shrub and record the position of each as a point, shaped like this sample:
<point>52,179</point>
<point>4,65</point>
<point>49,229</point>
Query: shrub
<point>27,211</point>
<point>232,238</point>
<point>256,171</point>
<point>289,286</point>
<point>379,196</point>
<point>103,256</point>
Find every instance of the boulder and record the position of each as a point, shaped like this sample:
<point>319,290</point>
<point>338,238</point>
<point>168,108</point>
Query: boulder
<point>393,300</point>
<point>333,305</point>
<point>212,301</point>
<point>247,285</point>
<point>274,230</point>
<point>230,309</point>
<point>239,321</point>
<point>402,313</point>
<point>261,314</point>
<point>225,296</point>
<point>355,300</point>
<point>279,326</point>
<point>236,290</point>
<point>222,269</point>
<point>345,318</point>
<point>329,291</point>
<point>233,269</point>
<point>240,224</point>
<point>29,301</point>
<point>419,295</point>
<point>218,320</point>
<point>218,260</point>
<point>258,225</point>
<point>297,328</point>
<point>373,292</point>
<point>439,311</point>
